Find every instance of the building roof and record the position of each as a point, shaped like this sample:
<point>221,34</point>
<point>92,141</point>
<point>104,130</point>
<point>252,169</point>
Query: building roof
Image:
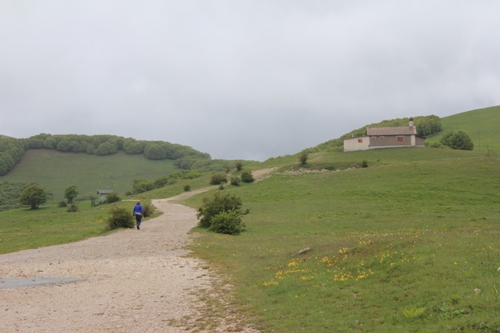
<point>394,130</point>
<point>104,191</point>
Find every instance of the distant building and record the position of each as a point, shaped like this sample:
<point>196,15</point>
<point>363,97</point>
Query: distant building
<point>386,137</point>
<point>102,194</point>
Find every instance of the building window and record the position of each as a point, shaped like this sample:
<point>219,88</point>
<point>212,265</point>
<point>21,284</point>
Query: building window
<point>360,140</point>
<point>401,138</point>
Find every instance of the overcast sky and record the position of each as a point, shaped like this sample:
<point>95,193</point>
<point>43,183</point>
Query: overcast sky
<point>241,79</point>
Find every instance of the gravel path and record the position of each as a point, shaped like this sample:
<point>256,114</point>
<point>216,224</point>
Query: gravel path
<point>134,281</point>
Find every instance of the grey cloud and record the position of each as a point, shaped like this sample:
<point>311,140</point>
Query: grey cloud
<point>241,79</point>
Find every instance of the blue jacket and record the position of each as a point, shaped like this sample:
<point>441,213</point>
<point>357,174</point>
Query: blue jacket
<point>137,209</point>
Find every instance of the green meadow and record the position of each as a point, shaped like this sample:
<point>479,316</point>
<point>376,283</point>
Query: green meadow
<point>407,244</point>
<point>49,225</point>
<point>56,170</point>
<point>481,125</point>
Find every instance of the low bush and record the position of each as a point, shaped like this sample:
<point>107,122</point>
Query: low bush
<point>187,188</point>
<point>247,177</point>
<point>120,217</point>
<point>303,158</point>
<point>148,209</point>
<point>112,197</point>
<point>228,222</point>
<point>435,145</point>
<point>141,186</point>
<point>72,208</point>
<point>218,179</point>
<point>216,204</point>
<point>364,164</point>
<point>62,204</point>
<point>235,181</point>
<point>457,140</point>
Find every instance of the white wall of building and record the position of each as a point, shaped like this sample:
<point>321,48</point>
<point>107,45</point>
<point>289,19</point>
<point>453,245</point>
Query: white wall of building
<point>360,143</point>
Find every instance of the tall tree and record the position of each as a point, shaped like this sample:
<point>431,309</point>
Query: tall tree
<point>70,193</point>
<point>33,196</point>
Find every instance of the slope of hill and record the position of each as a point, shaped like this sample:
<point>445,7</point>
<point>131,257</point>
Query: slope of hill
<point>12,150</point>
<point>94,162</point>
<point>408,244</point>
<point>482,125</point>
<point>56,170</point>
<point>405,245</point>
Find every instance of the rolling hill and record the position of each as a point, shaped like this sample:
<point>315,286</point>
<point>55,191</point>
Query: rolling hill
<point>482,125</point>
<point>408,244</point>
<point>56,170</point>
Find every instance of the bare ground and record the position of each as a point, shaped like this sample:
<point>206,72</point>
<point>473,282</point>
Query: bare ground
<point>134,281</point>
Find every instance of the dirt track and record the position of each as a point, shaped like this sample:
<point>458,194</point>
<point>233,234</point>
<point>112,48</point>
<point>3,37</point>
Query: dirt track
<point>134,281</point>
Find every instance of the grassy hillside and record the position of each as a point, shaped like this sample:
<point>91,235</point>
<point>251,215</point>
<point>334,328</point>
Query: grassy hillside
<point>481,125</point>
<point>409,245</point>
<point>49,225</point>
<point>56,170</point>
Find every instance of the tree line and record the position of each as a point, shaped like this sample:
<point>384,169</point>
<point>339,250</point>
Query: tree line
<point>10,193</point>
<point>425,125</point>
<point>12,150</point>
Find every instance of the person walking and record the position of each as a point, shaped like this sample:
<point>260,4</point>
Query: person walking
<point>137,212</point>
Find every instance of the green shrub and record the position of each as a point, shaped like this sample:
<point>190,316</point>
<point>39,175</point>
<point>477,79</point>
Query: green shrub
<point>62,204</point>
<point>457,140</point>
<point>90,149</point>
<point>148,209</point>
<point>216,204</point>
<point>154,151</point>
<point>73,208</point>
<point>303,158</point>
<point>428,125</point>
<point>106,148</point>
<point>218,179</point>
<point>364,164</point>
<point>70,193</point>
<point>141,186</point>
<point>112,197</point>
<point>10,193</point>
<point>228,222</point>
<point>235,181</point>
<point>435,145</point>
<point>247,177</point>
<point>187,188</point>
<point>239,165</point>
<point>221,186</point>
<point>120,217</point>
<point>34,196</point>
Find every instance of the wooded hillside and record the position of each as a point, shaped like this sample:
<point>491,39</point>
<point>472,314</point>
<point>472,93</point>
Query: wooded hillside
<point>12,150</point>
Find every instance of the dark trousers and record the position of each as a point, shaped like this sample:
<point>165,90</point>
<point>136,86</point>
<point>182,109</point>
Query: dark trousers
<point>138,219</point>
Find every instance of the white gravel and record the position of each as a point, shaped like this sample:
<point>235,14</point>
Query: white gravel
<point>134,281</point>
